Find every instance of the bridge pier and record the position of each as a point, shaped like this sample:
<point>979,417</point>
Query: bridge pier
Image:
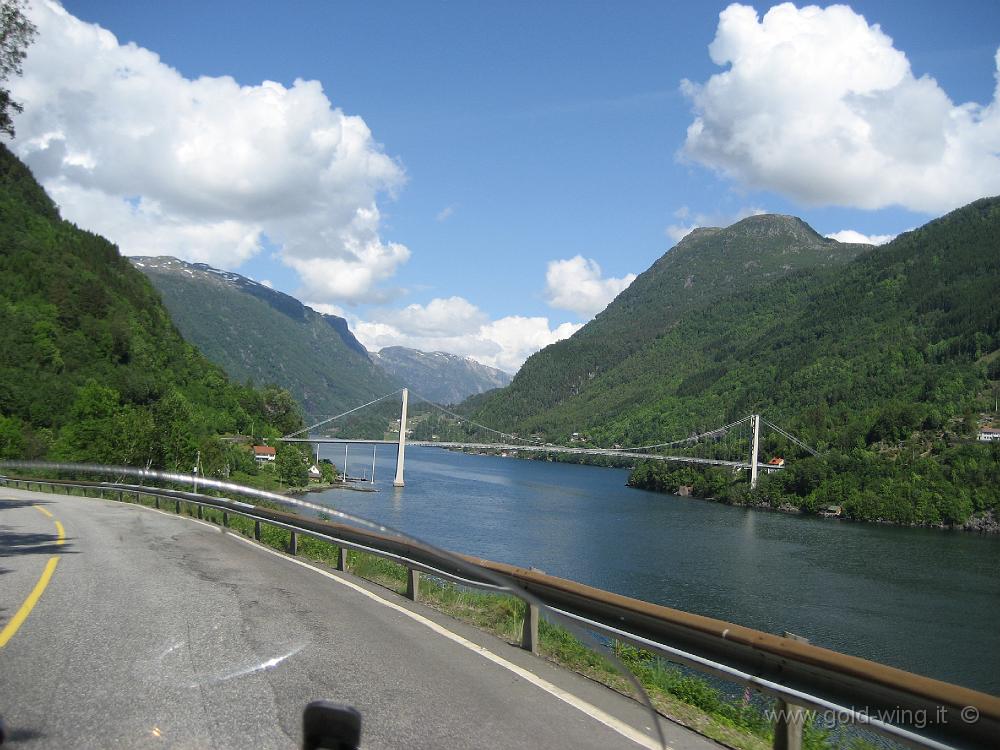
<point>401,450</point>
<point>755,423</point>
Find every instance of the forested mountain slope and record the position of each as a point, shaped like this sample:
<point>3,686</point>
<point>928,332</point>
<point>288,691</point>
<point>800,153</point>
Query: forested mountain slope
<point>442,377</point>
<point>707,265</point>
<point>886,363</point>
<point>91,366</point>
<point>258,334</point>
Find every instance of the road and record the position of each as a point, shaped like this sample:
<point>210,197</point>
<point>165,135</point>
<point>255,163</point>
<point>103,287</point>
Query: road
<point>150,630</point>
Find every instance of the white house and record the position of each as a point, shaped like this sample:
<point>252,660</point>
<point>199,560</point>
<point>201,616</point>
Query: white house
<point>989,434</point>
<point>264,453</point>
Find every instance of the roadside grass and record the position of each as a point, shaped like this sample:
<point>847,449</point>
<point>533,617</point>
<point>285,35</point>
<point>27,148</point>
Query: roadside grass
<point>688,699</point>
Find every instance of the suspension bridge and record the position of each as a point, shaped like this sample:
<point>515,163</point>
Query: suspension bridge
<point>747,429</point>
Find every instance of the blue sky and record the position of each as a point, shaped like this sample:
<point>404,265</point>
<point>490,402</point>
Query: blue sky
<point>525,134</point>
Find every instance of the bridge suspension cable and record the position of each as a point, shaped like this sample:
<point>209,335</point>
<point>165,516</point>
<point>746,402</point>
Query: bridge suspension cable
<point>344,414</point>
<point>791,437</point>
<point>725,431</point>
<point>469,421</point>
<point>692,439</point>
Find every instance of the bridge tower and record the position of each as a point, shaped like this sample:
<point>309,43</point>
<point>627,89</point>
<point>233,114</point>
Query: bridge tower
<point>755,445</point>
<point>401,450</point>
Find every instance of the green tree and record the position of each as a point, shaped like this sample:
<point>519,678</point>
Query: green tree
<point>280,409</point>
<point>329,471</point>
<point>11,438</point>
<point>172,415</point>
<point>16,33</point>
<point>132,437</point>
<point>89,434</point>
<point>292,466</point>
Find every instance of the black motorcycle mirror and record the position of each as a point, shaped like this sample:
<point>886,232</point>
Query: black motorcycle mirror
<point>333,726</point>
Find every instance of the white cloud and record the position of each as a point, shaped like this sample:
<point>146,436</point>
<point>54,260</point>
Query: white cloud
<point>355,278</point>
<point>445,213</point>
<point>819,105</point>
<point>453,316</point>
<point>520,337</point>
<point>576,285</point>
<point>689,222</point>
<point>457,326</point>
<point>203,169</point>
<point>850,235</point>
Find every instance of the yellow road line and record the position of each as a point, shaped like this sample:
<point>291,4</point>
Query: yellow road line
<point>22,614</point>
<point>36,593</point>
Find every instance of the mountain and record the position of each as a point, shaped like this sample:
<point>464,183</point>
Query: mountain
<point>883,358</point>
<point>441,377</point>
<point>92,368</point>
<point>256,333</point>
<point>707,265</point>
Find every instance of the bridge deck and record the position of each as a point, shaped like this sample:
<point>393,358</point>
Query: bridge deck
<point>541,449</point>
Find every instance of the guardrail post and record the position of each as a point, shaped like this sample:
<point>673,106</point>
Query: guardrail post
<point>256,530</point>
<point>412,584</point>
<point>201,511</point>
<point>341,558</point>
<point>178,507</point>
<point>293,544</point>
<point>791,717</point>
<point>225,519</point>
<point>156,499</point>
<point>529,630</point>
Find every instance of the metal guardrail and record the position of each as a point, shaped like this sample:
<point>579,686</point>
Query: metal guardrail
<point>914,710</point>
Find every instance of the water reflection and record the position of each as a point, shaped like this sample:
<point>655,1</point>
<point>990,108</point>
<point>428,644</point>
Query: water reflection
<point>923,600</point>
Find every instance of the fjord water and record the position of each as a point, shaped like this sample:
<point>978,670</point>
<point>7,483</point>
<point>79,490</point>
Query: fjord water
<point>924,600</point>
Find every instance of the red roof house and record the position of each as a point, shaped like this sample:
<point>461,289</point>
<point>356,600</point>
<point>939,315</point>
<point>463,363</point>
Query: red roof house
<point>264,453</point>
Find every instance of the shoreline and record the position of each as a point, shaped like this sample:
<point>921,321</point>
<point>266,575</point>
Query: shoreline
<point>987,524</point>
<point>295,491</point>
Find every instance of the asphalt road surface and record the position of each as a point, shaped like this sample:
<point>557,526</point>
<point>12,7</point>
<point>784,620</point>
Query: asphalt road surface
<point>121,626</point>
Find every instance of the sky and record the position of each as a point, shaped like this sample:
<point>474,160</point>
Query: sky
<point>484,177</point>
